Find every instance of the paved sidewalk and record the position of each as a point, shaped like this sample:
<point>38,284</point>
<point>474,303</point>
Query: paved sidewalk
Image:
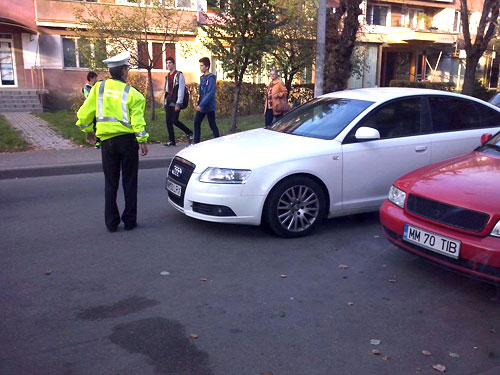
<point>37,163</point>
<point>37,131</point>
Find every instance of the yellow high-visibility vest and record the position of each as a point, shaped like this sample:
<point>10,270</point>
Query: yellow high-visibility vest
<point>118,109</point>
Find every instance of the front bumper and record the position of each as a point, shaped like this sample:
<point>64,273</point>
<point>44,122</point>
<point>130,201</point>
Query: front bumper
<point>479,256</point>
<point>247,209</point>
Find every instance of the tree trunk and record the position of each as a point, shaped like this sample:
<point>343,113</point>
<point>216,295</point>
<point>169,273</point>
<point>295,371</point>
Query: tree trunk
<point>340,42</point>
<point>470,74</point>
<point>151,95</point>
<point>236,104</point>
<point>288,85</point>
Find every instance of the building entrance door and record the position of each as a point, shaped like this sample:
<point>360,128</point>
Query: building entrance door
<point>7,67</point>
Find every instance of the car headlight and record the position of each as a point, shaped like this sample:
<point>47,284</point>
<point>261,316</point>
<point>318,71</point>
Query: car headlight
<point>225,175</point>
<point>496,230</point>
<point>397,196</point>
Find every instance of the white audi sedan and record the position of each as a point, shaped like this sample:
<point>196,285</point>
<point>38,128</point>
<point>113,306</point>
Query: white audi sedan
<point>335,155</point>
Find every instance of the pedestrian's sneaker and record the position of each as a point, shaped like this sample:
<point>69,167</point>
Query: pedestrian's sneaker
<point>169,144</point>
<point>97,145</point>
<point>190,139</point>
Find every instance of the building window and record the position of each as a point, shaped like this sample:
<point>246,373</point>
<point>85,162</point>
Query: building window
<point>377,14</point>
<point>413,18</point>
<point>158,50</point>
<point>79,53</point>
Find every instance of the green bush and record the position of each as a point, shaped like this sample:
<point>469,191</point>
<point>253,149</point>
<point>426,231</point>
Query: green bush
<point>443,86</point>
<point>252,98</point>
<point>480,92</point>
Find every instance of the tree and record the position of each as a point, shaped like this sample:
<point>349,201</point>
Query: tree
<point>131,28</point>
<point>239,36</point>
<point>485,32</point>
<point>342,26</point>
<point>294,38</point>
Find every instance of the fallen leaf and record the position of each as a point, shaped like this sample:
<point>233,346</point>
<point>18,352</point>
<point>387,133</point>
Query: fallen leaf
<point>48,272</point>
<point>439,367</point>
<point>426,352</point>
<point>453,355</point>
<point>386,357</point>
<point>375,352</point>
<point>343,266</point>
<point>374,341</point>
<point>350,303</point>
<point>474,347</point>
<point>193,336</point>
<point>164,273</point>
<point>335,249</point>
<point>393,280</point>
<point>376,236</point>
<point>283,276</point>
<point>493,331</point>
<point>203,279</point>
<point>266,373</point>
<point>419,369</point>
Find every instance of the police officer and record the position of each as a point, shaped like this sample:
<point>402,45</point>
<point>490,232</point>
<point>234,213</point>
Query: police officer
<point>119,110</point>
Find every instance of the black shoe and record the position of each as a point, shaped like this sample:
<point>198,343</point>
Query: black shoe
<point>169,144</point>
<point>130,226</point>
<point>112,229</point>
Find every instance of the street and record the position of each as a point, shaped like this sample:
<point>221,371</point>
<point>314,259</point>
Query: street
<point>178,296</point>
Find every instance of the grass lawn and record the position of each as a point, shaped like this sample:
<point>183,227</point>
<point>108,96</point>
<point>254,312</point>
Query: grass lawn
<point>64,122</point>
<point>10,139</point>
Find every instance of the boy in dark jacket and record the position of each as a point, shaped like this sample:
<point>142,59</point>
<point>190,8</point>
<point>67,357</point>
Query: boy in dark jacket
<point>206,102</point>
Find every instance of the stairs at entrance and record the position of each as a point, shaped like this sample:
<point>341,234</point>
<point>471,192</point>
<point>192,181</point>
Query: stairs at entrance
<point>19,100</point>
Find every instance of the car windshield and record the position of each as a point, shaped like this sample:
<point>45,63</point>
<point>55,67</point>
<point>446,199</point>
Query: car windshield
<point>492,146</point>
<point>322,118</point>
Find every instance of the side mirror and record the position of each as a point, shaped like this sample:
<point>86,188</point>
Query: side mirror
<point>365,133</point>
<point>485,138</point>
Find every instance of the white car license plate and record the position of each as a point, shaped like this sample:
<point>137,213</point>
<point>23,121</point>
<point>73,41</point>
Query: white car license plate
<point>432,241</point>
<point>174,188</point>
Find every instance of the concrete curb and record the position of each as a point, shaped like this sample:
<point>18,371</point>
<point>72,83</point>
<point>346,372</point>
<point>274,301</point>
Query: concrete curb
<point>75,168</point>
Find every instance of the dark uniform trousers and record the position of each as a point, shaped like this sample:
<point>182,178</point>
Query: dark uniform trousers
<point>120,152</point>
<point>172,118</point>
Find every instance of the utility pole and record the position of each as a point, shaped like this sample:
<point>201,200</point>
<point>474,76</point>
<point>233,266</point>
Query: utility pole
<point>320,49</point>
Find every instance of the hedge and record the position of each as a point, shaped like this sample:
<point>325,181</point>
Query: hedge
<point>443,86</point>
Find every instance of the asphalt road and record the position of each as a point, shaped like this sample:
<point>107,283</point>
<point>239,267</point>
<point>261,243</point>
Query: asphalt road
<point>75,299</point>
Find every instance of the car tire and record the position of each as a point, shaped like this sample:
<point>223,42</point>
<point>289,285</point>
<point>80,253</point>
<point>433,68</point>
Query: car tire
<point>295,207</point>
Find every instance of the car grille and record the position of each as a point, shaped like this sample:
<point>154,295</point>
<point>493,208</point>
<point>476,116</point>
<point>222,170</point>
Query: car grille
<point>179,172</point>
<point>454,216</point>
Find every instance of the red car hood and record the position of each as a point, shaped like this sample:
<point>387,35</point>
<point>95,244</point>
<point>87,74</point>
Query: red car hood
<point>470,181</point>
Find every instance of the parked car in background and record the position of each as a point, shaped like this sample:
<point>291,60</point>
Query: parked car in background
<point>495,100</point>
<point>335,155</point>
<point>449,212</point>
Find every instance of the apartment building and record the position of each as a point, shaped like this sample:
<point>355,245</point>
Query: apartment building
<point>416,40</point>
<point>398,39</point>
<point>40,49</point>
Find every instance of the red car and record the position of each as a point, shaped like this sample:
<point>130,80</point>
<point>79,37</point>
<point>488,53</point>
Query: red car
<point>449,212</point>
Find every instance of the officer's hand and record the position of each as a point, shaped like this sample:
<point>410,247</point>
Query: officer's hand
<point>198,109</point>
<point>90,138</point>
<point>177,108</point>
<point>144,149</point>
